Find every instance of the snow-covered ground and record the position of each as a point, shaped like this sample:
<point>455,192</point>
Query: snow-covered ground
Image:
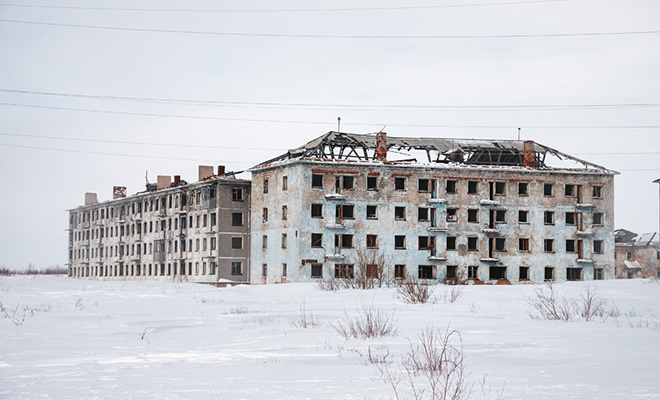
<point>78,339</point>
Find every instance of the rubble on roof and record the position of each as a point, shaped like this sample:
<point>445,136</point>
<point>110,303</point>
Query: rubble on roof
<point>340,146</point>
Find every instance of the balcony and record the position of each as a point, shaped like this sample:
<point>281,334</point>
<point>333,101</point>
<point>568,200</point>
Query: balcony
<point>437,201</point>
<point>585,261</point>
<point>490,231</point>
<point>584,205</point>
<point>336,225</point>
<point>489,259</point>
<point>334,196</point>
<point>585,233</point>
<point>335,257</point>
<point>441,228</point>
<point>489,203</point>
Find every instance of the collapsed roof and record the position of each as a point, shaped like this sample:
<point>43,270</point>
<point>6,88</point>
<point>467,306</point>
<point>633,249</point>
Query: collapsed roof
<point>340,146</point>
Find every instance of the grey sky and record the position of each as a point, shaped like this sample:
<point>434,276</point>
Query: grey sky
<point>38,184</point>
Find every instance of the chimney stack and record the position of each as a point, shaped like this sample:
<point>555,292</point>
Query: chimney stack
<point>381,146</point>
<point>529,159</point>
<point>221,170</point>
<point>164,181</point>
<point>177,179</point>
<point>90,198</point>
<point>205,172</point>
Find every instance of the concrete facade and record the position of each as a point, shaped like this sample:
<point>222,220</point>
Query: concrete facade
<point>636,256</point>
<point>311,216</point>
<point>172,232</point>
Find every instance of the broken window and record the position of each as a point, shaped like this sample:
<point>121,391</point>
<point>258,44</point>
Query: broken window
<point>264,270</point>
<point>237,243</point>
<point>598,219</point>
<point>372,212</point>
<point>213,244</point>
<point>549,245</point>
<point>500,188</point>
<point>317,270</point>
<point>264,242</point>
<point>204,221</point>
<point>423,214</point>
<point>236,219</point>
<point>399,183</point>
<point>344,271</point>
<point>372,183</point>
<point>473,272</point>
<point>500,244</point>
<point>317,210</point>
<point>571,246</point>
<point>264,214</point>
<point>523,273</point>
<point>473,243</point>
<point>497,273</point>
<point>373,271</point>
<point>549,217</point>
<point>400,213</point>
<point>399,271</point>
<point>598,274</point>
<point>452,272</point>
<point>399,242</point>
<point>597,192</point>
<point>451,186</point>
<point>473,187</point>
<point>570,218</point>
<point>213,220</point>
<point>573,274</point>
<point>598,246</point>
<point>284,240</point>
<point>372,241</point>
<point>345,241</point>
<point>426,242</point>
<point>473,215</point>
<point>265,185</point>
<point>426,272</point>
<point>317,240</point>
<point>629,255</point>
<point>452,214</point>
<point>569,190</point>
<point>284,213</point>
<point>523,188</point>
<point>317,181</point>
<point>523,217</point>
<point>423,185</point>
<point>523,244</point>
<point>451,242</point>
<point>346,211</point>
<point>348,182</point>
<point>285,183</point>
<point>500,216</point>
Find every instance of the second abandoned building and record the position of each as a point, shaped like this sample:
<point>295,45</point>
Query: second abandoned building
<point>436,208</point>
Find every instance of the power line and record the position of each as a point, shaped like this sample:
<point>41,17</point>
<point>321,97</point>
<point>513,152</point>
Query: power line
<point>137,143</point>
<point>320,36</point>
<point>332,122</point>
<point>119,154</point>
<point>286,10</point>
<point>161,100</point>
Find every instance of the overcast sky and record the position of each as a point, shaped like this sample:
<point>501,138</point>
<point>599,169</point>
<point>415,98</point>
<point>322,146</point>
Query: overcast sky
<point>448,70</point>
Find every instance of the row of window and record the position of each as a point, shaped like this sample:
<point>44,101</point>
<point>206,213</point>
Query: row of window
<point>146,270</point>
<point>452,186</point>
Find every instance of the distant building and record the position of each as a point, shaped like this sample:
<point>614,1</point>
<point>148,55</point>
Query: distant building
<point>434,208</point>
<point>636,256</point>
<point>173,231</point>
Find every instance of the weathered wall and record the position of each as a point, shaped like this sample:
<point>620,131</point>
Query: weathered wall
<point>386,198</point>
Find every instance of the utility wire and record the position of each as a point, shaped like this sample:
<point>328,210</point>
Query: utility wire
<point>161,100</point>
<point>320,36</point>
<point>332,123</point>
<point>286,10</point>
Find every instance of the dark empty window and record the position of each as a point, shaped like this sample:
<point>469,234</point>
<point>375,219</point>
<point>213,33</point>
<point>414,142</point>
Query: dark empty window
<point>597,192</point>
<point>399,271</point>
<point>372,241</point>
<point>346,211</point>
<point>237,243</point>
<point>265,185</point>
<point>549,274</point>
<point>236,219</point>
<point>423,214</point>
<point>372,212</point>
<point>399,213</point>
<point>569,190</point>
<point>423,185</point>
<point>473,187</point>
<point>523,274</point>
<point>236,195</point>
<point>548,245</point>
<point>523,244</point>
<point>317,270</point>
<point>452,214</point>
<point>317,210</point>
<point>500,216</point>
<point>451,186</point>
<point>497,273</point>
<point>500,244</point>
<point>598,219</point>
<point>399,242</point>
<point>372,183</point>
<point>598,246</point>
<point>500,188</point>
<point>399,183</point>
<point>473,244</point>
<point>473,215</point>
<point>317,240</point>
<point>570,246</point>
<point>344,271</point>
<point>451,242</point>
<point>426,272</point>
<point>317,181</point>
<point>523,216</point>
<point>473,272</point>
<point>426,242</point>
<point>547,189</point>
<point>346,241</point>
<point>348,182</point>
<point>523,188</point>
<point>570,218</point>
<point>549,217</point>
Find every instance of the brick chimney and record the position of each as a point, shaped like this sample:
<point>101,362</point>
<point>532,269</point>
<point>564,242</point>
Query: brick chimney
<point>221,170</point>
<point>381,146</point>
<point>529,153</point>
<point>205,172</point>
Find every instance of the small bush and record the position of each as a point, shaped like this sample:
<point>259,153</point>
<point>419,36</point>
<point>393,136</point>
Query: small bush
<point>451,294</point>
<point>413,292</point>
<point>548,304</point>
<point>371,322</point>
<point>307,319</point>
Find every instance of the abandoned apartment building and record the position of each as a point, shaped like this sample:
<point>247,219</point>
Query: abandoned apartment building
<point>636,256</point>
<point>434,208</point>
<point>430,208</point>
<point>173,231</point>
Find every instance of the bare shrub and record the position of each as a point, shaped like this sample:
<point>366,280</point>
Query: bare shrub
<point>371,322</point>
<point>548,305</point>
<point>329,285</point>
<point>33,270</point>
<point>18,314</point>
<point>307,319</point>
<point>590,304</point>
<point>4,271</point>
<point>414,292</point>
<point>368,273</point>
<point>237,310</point>
<point>373,355</point>
<point>451,294</point>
